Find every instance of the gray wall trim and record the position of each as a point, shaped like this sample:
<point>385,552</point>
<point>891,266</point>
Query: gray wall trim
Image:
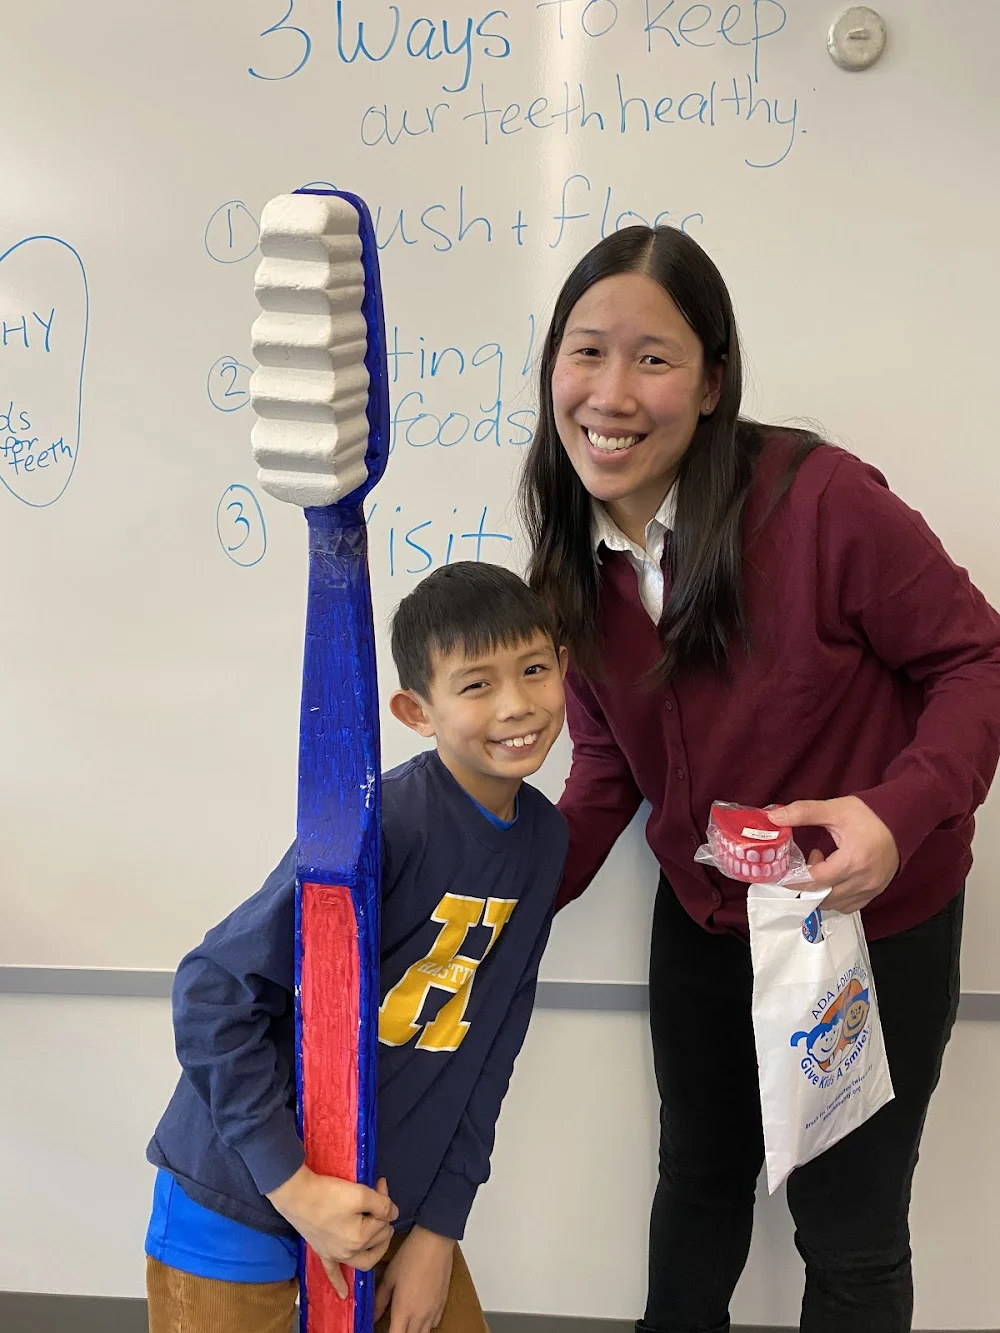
<point>124,981</point>
<point>979,1006</point>
<point>609,996</point>
<point>30,1312</point>
<point>605,996</point>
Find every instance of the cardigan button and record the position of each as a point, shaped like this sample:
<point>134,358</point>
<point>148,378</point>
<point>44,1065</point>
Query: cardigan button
<point>668,705</point>
<point>681,774</point>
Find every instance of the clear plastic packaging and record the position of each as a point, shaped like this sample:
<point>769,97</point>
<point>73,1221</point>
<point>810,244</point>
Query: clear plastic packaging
<point>744,845</point>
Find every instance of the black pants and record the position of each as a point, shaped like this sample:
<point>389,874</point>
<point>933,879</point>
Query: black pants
<point>850,1205</point>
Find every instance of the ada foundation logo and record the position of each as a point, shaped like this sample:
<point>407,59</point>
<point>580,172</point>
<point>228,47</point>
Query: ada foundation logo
<point>840,1030</point>
<point>812,927</point>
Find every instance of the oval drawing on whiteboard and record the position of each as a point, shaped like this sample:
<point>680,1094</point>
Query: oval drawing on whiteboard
<point>232,233</point>
<point>44,316</point>
<point>228,384</point>
<point>239,522</point>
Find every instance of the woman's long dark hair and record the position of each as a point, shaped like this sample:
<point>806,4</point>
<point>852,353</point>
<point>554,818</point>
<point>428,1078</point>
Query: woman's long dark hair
<point>705,609</point>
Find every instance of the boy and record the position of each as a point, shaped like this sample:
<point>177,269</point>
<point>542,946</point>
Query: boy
<point>471,861</point>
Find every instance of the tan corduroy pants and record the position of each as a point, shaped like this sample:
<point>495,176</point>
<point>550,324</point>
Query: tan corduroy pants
<point>182,1303</point>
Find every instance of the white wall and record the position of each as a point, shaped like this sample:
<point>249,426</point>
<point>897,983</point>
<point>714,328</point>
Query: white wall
<point>561,1227</point>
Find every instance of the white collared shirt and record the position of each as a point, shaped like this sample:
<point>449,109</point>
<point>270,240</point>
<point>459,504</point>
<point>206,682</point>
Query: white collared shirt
<point>646,562</point>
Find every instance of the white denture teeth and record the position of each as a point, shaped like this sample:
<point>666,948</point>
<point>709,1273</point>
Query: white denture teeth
<point>310,389</point>
<point>741,843</point>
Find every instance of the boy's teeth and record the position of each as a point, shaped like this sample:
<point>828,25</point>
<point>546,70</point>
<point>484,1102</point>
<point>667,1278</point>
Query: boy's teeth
<point>611,443</point>
<point>519,742</point>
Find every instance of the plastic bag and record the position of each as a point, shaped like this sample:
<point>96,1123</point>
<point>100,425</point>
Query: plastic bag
<point>820,1053</point>
<point>744,845</point>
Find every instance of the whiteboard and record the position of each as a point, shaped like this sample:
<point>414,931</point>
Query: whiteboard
<point>153,604</point>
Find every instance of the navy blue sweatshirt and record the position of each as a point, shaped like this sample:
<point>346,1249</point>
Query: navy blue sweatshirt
<point>466,911</point>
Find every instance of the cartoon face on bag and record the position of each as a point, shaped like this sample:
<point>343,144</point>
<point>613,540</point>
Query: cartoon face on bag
<point>834,1042</point>
<point>822,1040</point>
<point>856,1015</point>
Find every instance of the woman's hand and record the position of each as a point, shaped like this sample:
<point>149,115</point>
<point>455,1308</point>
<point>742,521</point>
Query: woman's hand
<point>866,858</point>
<point>414,1287</point>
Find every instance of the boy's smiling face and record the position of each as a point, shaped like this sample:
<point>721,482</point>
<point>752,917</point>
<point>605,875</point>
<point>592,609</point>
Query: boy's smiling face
<point>494,715</point>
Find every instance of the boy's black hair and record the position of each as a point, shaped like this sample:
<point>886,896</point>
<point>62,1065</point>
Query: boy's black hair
<point>470,605</point>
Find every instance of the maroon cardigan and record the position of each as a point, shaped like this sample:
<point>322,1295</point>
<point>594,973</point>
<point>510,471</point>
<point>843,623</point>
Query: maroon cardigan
<point>874,671</point>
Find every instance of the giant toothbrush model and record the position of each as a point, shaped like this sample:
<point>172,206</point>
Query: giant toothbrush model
<point>321,398</point>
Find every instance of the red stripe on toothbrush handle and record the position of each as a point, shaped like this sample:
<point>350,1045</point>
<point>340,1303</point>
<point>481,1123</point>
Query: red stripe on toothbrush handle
<point>330,1024</point>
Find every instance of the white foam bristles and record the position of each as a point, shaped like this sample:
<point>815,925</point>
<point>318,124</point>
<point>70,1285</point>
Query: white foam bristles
<point>310,390</point>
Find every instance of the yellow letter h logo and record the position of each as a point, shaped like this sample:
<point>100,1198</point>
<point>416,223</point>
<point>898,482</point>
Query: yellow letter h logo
<point>444,968</point>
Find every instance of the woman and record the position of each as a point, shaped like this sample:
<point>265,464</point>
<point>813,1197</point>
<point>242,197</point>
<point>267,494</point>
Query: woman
<point>753,616</point>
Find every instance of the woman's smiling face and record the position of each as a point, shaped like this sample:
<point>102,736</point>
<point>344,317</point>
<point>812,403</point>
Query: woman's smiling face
<point>629,385</point>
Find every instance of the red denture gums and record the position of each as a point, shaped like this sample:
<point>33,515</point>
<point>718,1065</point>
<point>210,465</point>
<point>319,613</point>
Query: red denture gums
<point>745,845</point>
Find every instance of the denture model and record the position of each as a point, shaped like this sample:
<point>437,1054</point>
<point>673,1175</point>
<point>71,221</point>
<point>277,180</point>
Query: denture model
<point>745,845</point>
